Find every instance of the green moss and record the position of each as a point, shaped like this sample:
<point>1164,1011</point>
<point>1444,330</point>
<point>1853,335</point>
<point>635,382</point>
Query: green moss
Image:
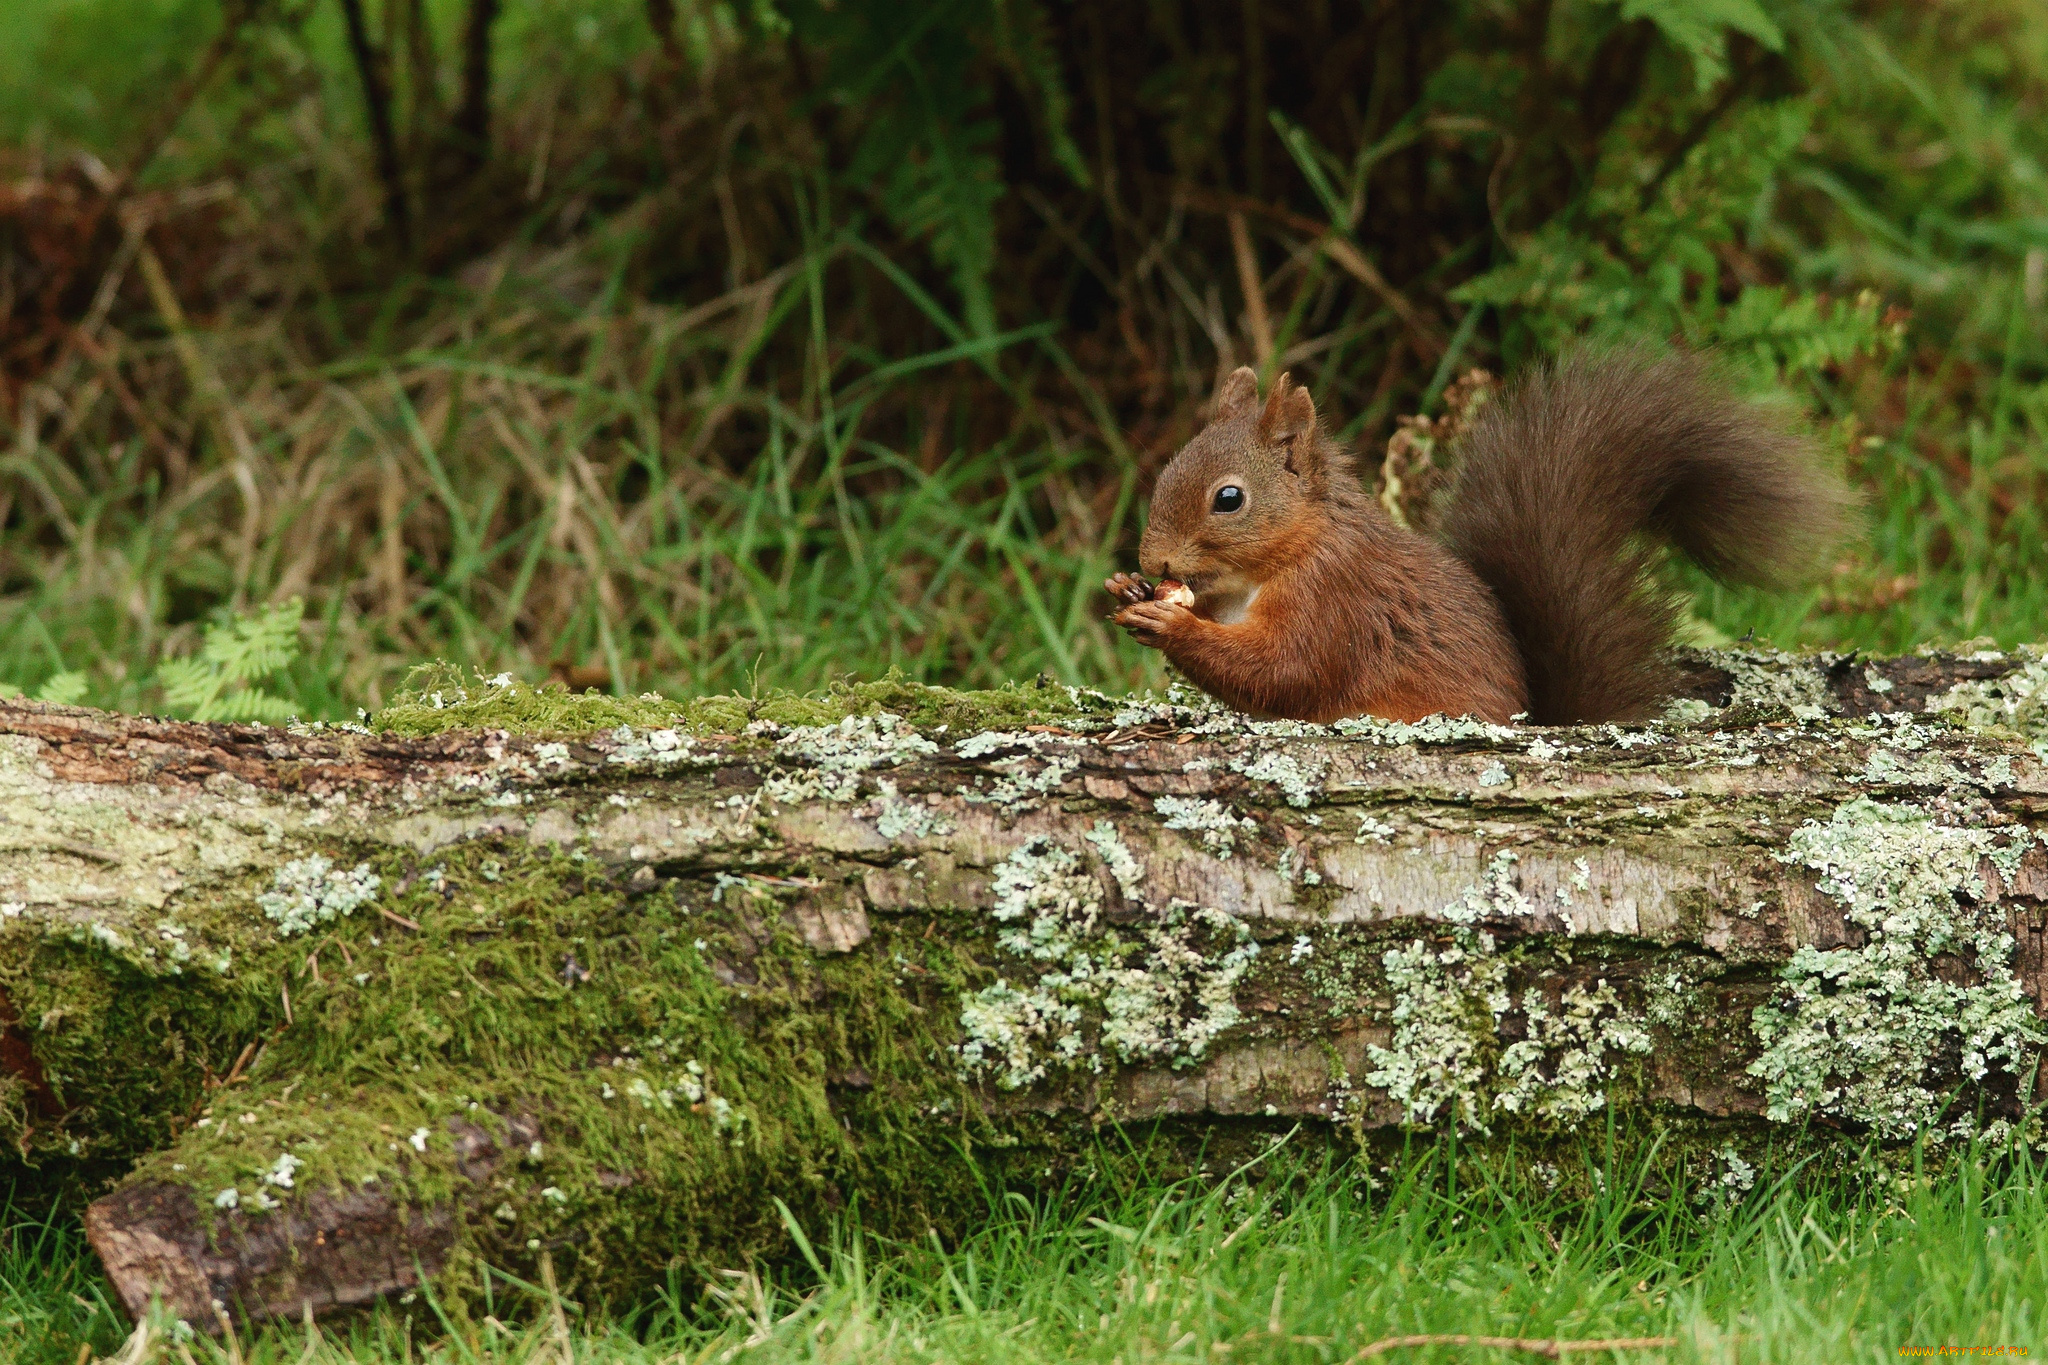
<point>645,1066</point>
<point>437,698</point>
<point>134,1020</point>
<point>127,1061</point>
<point>624,1065</point>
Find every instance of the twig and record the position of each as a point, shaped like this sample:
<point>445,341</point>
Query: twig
<point>103,361</point>
<point>561,1320</point>
<point>187,92</point>
<point>85,851</point>
<point>204,380</point>
<point>1253,287</point>
<point>1339,249</point>
<point>1353,262</point>
<point>1390,375</point>
<point>538,180</point>
<point>1239,1230</point>
<point>1542,1346</point>
<point>312,1331</point>
<point>397,918</point>
<point>235,1071</point>
<point>124,255</point>
<point>1083,253</point>
<point>227,1333</point>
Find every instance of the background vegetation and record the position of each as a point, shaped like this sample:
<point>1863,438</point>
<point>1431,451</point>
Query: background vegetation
<point>701,346</point>
<point>692,346</point>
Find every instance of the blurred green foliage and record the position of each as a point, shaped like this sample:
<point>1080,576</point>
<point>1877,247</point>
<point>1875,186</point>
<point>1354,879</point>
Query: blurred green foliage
<point>752,344</point>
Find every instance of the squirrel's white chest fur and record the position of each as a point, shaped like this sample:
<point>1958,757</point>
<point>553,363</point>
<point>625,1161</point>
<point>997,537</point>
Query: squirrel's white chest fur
<point>1229,608</point>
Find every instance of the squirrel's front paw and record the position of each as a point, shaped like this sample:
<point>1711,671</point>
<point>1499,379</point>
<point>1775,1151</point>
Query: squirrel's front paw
<point>1152,623</point>
<point>1128,588</point>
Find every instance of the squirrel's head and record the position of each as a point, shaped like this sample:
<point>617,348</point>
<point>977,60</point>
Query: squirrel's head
<point>1237,501</point>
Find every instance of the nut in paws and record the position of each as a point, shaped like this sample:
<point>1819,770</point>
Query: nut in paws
<point>1149,622</point>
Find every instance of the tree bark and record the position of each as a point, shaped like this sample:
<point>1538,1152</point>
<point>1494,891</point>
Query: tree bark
<point>344,1008</point>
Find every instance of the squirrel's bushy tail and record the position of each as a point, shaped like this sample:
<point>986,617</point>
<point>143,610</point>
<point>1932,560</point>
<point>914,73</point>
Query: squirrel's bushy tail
<point>1569,482</point>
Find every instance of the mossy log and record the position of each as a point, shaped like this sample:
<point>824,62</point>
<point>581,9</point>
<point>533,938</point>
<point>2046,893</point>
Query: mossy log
<point>519,973</point>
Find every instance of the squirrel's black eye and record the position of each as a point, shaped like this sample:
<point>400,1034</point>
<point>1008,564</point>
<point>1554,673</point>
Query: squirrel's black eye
<point>1229,498</point>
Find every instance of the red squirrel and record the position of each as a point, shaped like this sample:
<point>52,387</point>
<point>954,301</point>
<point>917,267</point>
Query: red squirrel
<point>1538,596</point>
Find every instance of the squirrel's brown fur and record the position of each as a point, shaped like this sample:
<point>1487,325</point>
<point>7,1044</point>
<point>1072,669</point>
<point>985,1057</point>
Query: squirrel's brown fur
<point>1312,604</point>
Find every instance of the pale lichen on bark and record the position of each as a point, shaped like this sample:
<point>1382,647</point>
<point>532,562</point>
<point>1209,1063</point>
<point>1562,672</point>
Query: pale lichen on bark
<point>1855,1029</point>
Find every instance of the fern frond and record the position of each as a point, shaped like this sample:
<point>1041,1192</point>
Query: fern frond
<point>65,689</point>
<point>928,149</point>
<point>189,685</point>
<point>250,705</point>
<point>949,194</point>
<point>1655,271</point>
<point>219,683</point>
<point>1024,44</point>
<point>250,648</point>
<point>1700,29</point>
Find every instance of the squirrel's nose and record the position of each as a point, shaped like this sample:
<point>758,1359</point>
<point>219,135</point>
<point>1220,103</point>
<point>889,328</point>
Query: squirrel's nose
<point>1151,562</point>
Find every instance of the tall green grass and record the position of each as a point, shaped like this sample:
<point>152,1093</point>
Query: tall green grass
<point>518,513</point>
<point>1310,1264</point>
<point>53,1301</point>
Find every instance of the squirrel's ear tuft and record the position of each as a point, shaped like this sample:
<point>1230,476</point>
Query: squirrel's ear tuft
<point>1289,420</point>
<point>1238,393</point>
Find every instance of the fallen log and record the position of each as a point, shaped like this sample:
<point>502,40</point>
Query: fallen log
<point>522,973</point>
